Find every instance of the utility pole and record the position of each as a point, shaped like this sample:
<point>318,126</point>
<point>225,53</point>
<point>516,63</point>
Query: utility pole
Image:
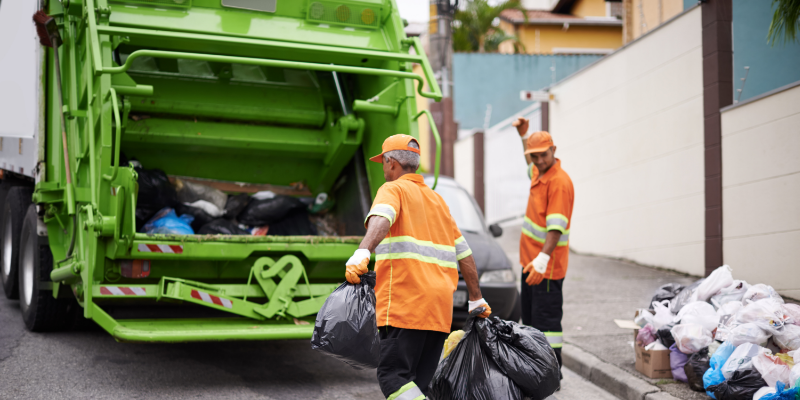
<point>441,59</point>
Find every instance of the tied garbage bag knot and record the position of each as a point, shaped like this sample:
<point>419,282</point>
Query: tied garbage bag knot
<point>497,359</point>
<point>346,326</point>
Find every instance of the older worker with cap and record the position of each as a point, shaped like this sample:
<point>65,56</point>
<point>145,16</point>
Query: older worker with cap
<point>418,252</point>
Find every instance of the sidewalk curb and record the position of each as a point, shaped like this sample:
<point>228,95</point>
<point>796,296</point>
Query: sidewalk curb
<point>610,377</point>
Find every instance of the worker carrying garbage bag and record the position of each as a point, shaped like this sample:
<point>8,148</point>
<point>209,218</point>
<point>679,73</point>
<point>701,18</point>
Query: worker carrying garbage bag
<point>418,252</point>
<point>544,242</point>
<point>497,360</point>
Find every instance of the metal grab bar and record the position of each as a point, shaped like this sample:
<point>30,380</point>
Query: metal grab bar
<point>438,145</point>
<point>436,95</point>
<point>118,135</point>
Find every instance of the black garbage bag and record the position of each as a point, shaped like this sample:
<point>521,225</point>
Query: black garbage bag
<point>697,366</point>
<point>221,226</point>
<point>684,297</point>
<point>497,359</point>
<point>155,193</point>
<point>665,334</point>
<point>742,386</point>
<point>201,218</point>
<point>296,223</point>
<point>267,211</point>
<point>346,326</point>
<point>666,292</point>
<point>236,204</point>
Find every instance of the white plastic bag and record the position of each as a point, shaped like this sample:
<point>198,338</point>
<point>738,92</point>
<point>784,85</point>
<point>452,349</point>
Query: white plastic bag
<point>740,359</point>
<point>643,317</point>
<point>655,346</point>
<point>794,376</point>
<point>663,315</point>
<point>691,338</point>
<point>771,368</point>
<point>766,313</point>
<point>792,313</point>
<point>733,292</point>
<point>789,338</point>
<point>210,208</point>
<point>747,333</point>
<point>730,308</point>
<point>698,312</point>
<point>721,277</point>
<point>263,195</point>
<point>760,291</point>
<point>795,354</point>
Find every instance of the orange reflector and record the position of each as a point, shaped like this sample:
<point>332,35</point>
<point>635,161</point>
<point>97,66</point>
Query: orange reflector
<point>134,268</point>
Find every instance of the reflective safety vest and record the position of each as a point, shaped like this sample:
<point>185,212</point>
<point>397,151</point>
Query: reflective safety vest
<point>417,262</point>
<point>549,208</point>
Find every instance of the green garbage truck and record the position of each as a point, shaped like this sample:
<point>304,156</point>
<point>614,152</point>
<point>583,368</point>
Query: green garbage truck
<point>244,96</point>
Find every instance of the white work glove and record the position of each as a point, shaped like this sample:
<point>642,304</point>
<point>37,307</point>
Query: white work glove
<point>540,263</point>
<point>357,266</point>
<point>480,303</point>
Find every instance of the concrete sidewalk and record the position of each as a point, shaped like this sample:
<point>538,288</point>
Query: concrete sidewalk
<point>598,290</point>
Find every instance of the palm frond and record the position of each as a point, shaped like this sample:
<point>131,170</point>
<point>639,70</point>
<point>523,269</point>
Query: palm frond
<point>785,21</point>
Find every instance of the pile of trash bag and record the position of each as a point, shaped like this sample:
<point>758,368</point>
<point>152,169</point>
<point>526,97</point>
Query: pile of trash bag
<point>496,359</point>
<point>210,211</point>
<point>346,327</point>
<point>728,338</point>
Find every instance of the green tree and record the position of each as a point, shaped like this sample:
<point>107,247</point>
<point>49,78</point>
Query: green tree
<point>785,21</point>
<point>475,30</point>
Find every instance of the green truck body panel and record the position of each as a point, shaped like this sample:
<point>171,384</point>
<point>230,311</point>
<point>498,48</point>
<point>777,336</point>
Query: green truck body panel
<point>290,98</point>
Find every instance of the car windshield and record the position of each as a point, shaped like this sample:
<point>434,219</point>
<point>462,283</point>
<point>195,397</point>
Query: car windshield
<point>461,207</point>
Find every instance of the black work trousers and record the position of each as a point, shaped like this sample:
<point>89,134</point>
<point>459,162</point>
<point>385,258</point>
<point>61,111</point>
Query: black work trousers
<point>408,355</point>
<point>542,308</point>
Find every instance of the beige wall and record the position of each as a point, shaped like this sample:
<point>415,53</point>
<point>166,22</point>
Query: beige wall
<point>646,15</point>
<point>464,163</point>
<point>761,191</point>
<point>629,131</point>
<point>589,8</point>
<point>551,36</point>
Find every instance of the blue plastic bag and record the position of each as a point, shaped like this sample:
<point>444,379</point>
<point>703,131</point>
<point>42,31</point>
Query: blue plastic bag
<point>167,222</point>
<point>714,374</point>
<point>781,394</point>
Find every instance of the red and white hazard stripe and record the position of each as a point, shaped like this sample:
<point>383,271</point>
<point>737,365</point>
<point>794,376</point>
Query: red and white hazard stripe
<point>210,298</point>
<point>160,248</point>
<point>122,291</point>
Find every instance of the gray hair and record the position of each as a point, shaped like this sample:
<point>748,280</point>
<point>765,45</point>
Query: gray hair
<point>407,159</point>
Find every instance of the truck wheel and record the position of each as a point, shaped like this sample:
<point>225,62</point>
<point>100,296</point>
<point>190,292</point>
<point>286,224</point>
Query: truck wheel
<point>16,203</point>
<point>40,311</point>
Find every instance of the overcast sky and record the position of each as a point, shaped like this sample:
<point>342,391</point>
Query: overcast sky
<point>414,10</point>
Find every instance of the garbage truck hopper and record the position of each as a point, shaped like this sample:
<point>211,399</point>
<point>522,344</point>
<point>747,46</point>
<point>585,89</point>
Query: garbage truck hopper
<point>271,99</point>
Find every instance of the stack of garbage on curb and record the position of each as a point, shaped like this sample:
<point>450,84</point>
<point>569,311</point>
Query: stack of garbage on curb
<point>731,339</point>
<point>184,207</point>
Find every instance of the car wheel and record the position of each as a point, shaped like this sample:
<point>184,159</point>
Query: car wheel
<point>40,311</point>
<point>516,312</point>
<point>16,202</point>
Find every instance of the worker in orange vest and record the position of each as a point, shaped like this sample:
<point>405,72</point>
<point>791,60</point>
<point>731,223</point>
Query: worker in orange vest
<point>544,243</point>
<point>417,268</point>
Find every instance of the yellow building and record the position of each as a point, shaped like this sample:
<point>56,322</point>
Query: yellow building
<point>571,27</point>
<point>642,16</point>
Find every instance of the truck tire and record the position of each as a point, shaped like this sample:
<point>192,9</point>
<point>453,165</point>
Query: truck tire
<point>14,207</point>
<point>40,311</point>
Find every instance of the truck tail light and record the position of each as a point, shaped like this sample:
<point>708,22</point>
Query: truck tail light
<point>135,268</point>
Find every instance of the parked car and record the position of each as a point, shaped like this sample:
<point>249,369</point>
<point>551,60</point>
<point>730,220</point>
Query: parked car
<point>498,281</point>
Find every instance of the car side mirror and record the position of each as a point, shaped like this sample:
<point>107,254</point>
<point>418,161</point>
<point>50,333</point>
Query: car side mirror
<point>496,230</point>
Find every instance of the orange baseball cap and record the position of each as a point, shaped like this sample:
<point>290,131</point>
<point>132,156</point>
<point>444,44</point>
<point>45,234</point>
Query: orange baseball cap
<point>538,142</point>
<point>395,142</point>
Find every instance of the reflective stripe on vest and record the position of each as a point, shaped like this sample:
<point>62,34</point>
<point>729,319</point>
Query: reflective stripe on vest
<point>409,391</point>
<point>462,249</point>
<point>383,210</point>
<point>556,339</point>
<point>539,234</point>
<point>422,250</point>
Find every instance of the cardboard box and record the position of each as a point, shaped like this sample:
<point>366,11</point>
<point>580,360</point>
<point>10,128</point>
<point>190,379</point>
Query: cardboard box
<point>652,363</point>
